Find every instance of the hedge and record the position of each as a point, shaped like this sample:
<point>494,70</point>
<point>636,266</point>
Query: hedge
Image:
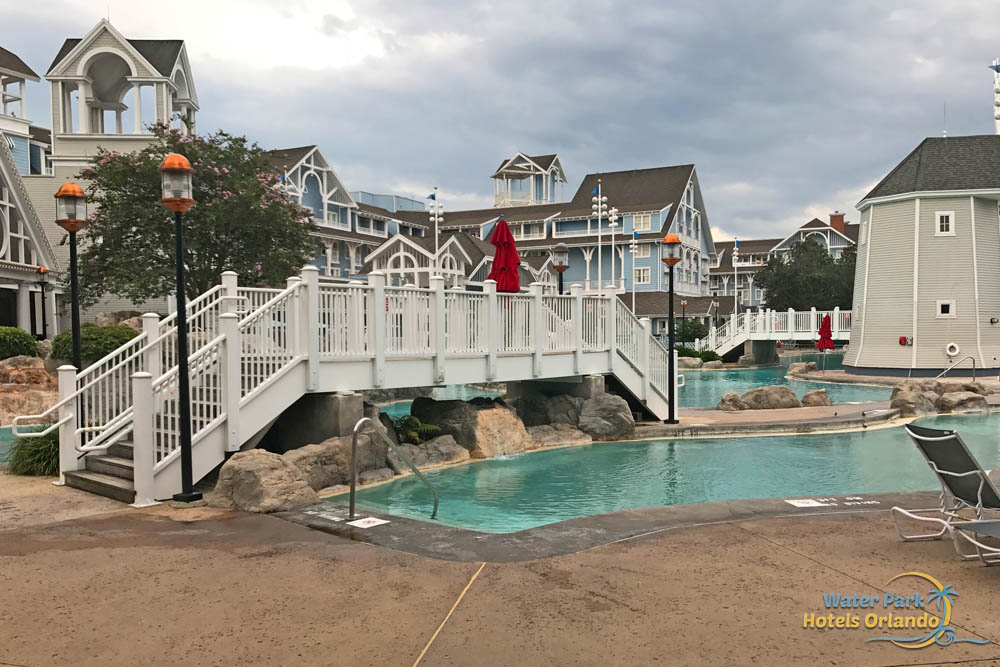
<point>95,342</point>
<point>14,341</point>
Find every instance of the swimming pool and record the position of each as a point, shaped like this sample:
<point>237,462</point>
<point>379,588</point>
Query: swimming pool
<point>518,492</point>
<point>703,389</point>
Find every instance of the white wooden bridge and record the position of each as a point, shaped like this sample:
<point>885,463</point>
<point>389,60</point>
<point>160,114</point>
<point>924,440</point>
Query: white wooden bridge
<point>254,352</point>
<point>777,325</point>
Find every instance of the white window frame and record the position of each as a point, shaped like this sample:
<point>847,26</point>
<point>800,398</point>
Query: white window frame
<point>641,271</point>
<point>647,222</point>
<point>334,272</point>
<point>334,253</point>
<point>937,223</point>
<point>952,310</point>
<point>642,250</point>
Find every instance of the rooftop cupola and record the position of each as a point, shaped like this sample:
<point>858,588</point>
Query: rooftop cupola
<point>525,180</point>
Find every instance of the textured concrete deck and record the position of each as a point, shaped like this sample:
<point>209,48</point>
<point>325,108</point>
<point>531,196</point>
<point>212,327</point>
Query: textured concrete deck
<point>168,587</point>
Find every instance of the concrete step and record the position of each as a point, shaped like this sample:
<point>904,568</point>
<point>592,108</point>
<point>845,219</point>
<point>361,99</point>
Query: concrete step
<point>101,484</point>
<point>122,450</point>
<point>111,465</point>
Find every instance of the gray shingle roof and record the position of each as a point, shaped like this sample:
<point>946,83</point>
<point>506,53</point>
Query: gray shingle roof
<point>945,163</point>
<point>637,189</point>
<point>161,53</point>
<point>40,134</point>
<point>12,64</point>
<point>657,304</point>
<point>288,157</point>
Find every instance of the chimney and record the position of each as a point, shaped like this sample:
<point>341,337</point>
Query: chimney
<point>837,221</point>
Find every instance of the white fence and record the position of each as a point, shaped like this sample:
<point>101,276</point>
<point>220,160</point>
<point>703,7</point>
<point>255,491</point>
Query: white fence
<point>779,325</point>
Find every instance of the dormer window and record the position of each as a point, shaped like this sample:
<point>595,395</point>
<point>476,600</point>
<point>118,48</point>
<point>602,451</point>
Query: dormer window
<point>642,223</point>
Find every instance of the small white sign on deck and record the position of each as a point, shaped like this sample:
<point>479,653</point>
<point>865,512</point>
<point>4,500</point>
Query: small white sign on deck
<point>367,522</point>
<point>809,502</point>
<point>330,515</point>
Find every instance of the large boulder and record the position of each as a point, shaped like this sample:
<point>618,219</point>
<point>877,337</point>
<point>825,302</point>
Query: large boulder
<point>976,388</point>
<point>731,402</point>
<point>558,434</point>
<point>259,481</point>
<point>913,403</point>
<point>816,398</point>
<point>563,409</point>
<point>800,367</point>
<point>713,365</point>
<point>486,427</point>
<point>441,450</point>
<point>962,401</point>
<point>918,386</point>
<point>689,362</point>
<point>747,360</point>
<point>606,417</point>
<point>329,463</point>
<point>119,317</point>
<point>455,418</point>
<point>383,422</point>
<point>22,399</point>
<point>499,431</point>
<point>23,369</point>
<point>771,398</point>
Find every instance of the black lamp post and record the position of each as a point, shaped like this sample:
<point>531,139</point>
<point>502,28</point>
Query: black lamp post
<point>43,275</point>
<point>71,215</point>
<point>715,314</point>
<point>560,260</point>
<point>672,246</point>
<point>178,196</point>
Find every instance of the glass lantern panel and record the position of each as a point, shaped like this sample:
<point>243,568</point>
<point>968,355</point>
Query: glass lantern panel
<point>177,185</point>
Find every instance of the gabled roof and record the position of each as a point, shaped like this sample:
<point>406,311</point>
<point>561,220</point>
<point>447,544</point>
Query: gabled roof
<point>160,53</point>
<point>815,223</point>
<point>13,65</point>
<point>42,135</point>
<point>286,158</point>
<point>724,249</point>
<point>945,163</point>
<point>543,162</point>
<point>23,203</point>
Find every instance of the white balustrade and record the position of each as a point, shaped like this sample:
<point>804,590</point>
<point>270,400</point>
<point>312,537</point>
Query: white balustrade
<point>515,323</point>
<point>558,312</point>
<point>344,320</point>
<point>595,317</point>
<point>267,346</point>
<point>408,321</point>
<point>465,322</point>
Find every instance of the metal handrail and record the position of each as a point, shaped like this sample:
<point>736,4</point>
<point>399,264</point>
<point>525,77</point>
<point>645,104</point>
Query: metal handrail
<point>399,453</point>
<point>952,367</point>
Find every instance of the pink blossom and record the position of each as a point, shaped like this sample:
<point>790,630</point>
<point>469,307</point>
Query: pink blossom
<point>215,169</point>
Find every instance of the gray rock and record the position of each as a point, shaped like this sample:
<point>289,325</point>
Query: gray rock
<point>689,362</point>
<point>913,403</point>
<point>437,451</point>
<point>713,365</point>
<point>486,427</point>
<point>563,409</point>
<point>259,481</point>
<point>455,418</point>
<point>383,422</point>
<point>378,475</point>
<point>606,417</point>
<point>976,388</point>
<point>731,402</point>
<point>800,367</point>
<point>918,386</point>
<point>329,462</point>
<point>558,434</point>
<point>747,360</point>
<point>771,398</point>
<point>816,398</point>
<point>44,349</point>
<point>961,401</point>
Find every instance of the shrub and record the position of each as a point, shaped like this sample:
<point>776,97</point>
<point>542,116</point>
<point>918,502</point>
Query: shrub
<point>409,429</point>
<point>686,351</point>
<point>35,456</point>
<point>709,355</point>
<point>14,341</point>
<point>95,342</point>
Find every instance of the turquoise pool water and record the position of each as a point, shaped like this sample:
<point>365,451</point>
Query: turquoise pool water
<point>6,438</point>
<point>527,490</point>
<point>703,389</point>
<point>452,391</point>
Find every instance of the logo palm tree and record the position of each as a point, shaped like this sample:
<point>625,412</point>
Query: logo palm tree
<point>939,595</point>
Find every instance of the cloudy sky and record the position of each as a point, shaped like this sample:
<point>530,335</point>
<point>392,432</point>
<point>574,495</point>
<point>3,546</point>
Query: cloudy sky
<point>789,109</point>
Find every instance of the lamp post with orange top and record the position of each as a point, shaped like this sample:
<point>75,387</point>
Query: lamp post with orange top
<point>672,246</point>
<point>71,215</point>
<point>178,196</point>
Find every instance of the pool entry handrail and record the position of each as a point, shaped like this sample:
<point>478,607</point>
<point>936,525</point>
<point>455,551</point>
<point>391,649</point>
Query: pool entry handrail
<point>406,459</point>
<point>955,365</point>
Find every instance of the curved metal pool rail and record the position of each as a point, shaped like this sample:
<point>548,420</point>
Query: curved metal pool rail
<point>955,365</point>
<point>406,459</point>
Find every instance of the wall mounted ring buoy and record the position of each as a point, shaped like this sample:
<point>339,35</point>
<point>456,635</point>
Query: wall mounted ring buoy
<point>952,349</point>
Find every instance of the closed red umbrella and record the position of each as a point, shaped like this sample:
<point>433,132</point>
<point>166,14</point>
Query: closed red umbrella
<point>505,259</point>
<point>825,341</point>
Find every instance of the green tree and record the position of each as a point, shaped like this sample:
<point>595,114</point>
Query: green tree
<point>807,277</point>
<point>242,220</point>
<point>686,331</point>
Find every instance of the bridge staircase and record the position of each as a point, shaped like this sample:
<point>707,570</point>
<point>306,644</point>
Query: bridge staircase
<point>787,326</point>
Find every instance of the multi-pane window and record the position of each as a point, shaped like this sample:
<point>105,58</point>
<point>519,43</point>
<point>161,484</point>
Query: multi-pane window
<point>640,275</point>
<point>945,223</point>
<point>642,250</point>
<point>642,222</point>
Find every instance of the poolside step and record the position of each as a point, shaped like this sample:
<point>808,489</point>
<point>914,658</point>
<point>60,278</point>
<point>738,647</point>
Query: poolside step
<point>122,450</point>
<point>101,484</point>
<point>111,465</point>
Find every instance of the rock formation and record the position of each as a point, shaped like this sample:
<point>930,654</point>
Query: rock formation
<point>259,481</point>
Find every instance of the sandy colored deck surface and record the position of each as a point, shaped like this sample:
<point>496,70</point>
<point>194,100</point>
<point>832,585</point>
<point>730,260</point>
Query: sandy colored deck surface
<point>169,587</point>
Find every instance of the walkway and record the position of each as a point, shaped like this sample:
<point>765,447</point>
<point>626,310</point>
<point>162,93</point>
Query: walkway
<point>228,588</point>
<point>777,325</point>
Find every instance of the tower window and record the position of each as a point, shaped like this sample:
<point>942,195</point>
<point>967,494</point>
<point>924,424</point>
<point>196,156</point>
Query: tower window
<point>945,223</point>
<point>946,309</point>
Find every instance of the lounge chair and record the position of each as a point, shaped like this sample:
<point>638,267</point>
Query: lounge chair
<point>971,532</point>
<point>964,485</point>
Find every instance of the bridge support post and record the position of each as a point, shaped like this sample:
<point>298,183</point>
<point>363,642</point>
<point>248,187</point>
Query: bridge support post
<point>379,308</point>
<point>229,326</point>
<point>230,288</point>
<point>143,439</point>
<point>835,323</point>
<point>612,319</point>
<point>151,327</point>
<point>67,432</point>
<point>309,312</point>
<point>439,329</point>
<point>493,326</point>
<point>791,324</point>
<point>647,333</point>
<point>538,329</point>
<point>814,324</point>
<point>576,291</point>
<point>292,326</point>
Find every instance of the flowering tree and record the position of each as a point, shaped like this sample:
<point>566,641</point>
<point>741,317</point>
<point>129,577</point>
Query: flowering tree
<point>242,220</point>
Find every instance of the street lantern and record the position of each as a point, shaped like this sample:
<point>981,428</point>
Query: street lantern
<point>43,279</point>
<point>560,261</point>
<point>178,196</point>
<point>672,255</point>
<point>71,215</point>
<point>436,211</point>
<point>613,223</point>
<point>600,209</point>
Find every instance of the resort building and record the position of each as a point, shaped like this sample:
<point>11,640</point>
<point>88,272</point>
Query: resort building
<point>751,255</point>
<point>927,287</point>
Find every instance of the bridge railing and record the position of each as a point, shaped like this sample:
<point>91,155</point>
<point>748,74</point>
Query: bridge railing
<point>784,325</point>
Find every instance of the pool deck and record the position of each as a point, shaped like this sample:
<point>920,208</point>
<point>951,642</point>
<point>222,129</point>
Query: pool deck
<point>841,377</point>
<point>164,586</point>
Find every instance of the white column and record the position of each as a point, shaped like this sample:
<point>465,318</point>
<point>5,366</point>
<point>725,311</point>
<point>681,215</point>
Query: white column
<point>151,327</point>
<point>538,329</point>
<point>68,460</point>
<point>647,333</point>
<point>835,323</point>
<point>137,108</point>
<point>576,291</point>
<point>82,109</point>
<point>50,313</point>
<point>377,280</point>
<point>292,328</point>
<point>492,327</point>
<point>118,121</point>
<point>611,318</point>
<point>438,329</point>
<point>143,439</point>
<point>229,326</point>
<point>230,289</point>
<point>310,323</point>
<point>24,306</point>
